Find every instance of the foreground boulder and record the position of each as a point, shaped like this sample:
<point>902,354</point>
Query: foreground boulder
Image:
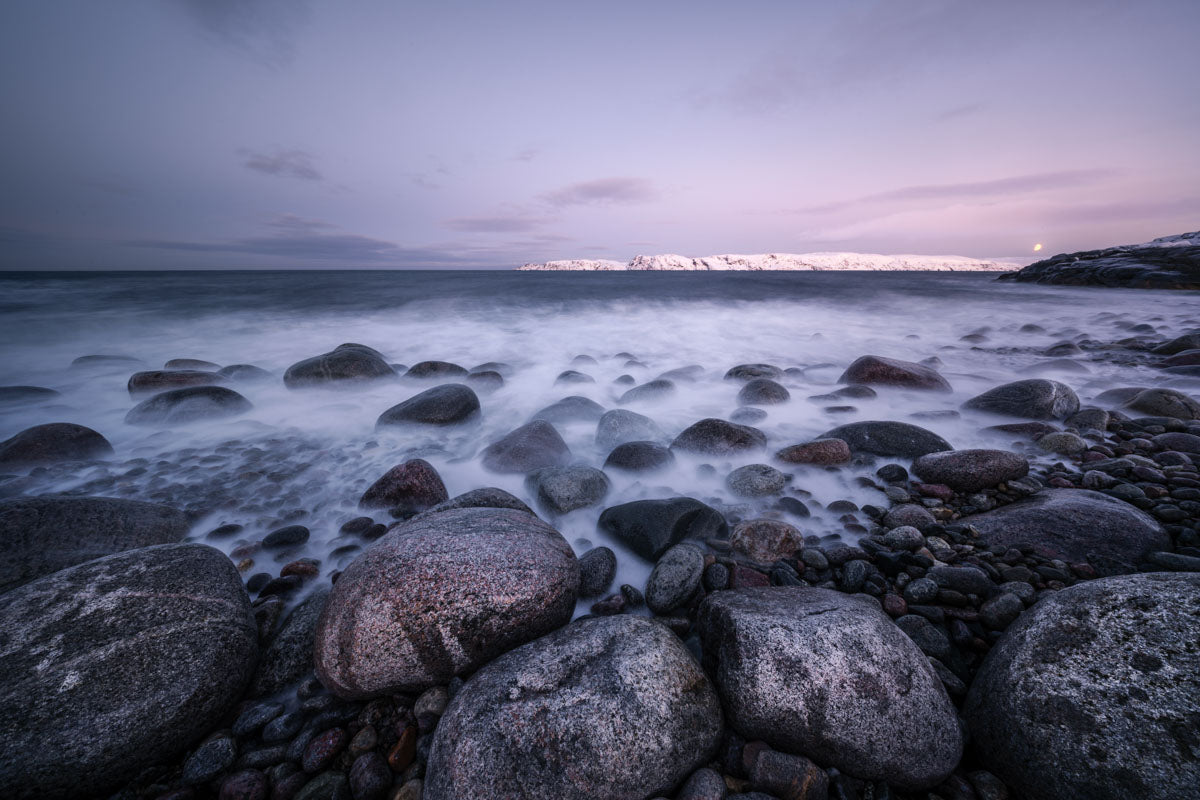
<point>188,405</point>
<point>716,437</point>
<point>650,527</point>
<point>880,371</point>
<point>41,535</point>
<point>1075,525</point>
<point>348,364</point>
<point>440,596</point>
<point>531,446</point>
<point>407,489</point>
<point>448,404</point>
<point>621,425</point>
<point>888,439</point>
<point>1093,693</point>
<point>54,441</point>
<point>1164,403</point>
<point>831,677</point>
<point>607,707</point>
<point>971,470</point>
<point>1034,398</point>
<point>116,664</point>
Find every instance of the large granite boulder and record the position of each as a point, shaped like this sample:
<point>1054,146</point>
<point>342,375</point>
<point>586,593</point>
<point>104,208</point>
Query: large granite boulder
<point>888,439</point>
<point>717,437</point>
<point>880,371</point>
<point>41,535</point>
<point>531,446</point>
<point>1034,398</point>
<point>440,596</point>
<point>650,527</point>
<point>448,404</point>
<point>348,364</point>
<point>1094,693</point>
<point>54,441</point>
<point>829,676</point>
<point>116,664</point>
<point>622,425</point>
<point>192,404</point>
<point>1076,525</point>
<point>971,470</point>
<point>1164,403</point>
<point>607,707</point>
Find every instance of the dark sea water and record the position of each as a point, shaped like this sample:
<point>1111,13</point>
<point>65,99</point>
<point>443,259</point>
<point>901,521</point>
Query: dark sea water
<point>308,455</point>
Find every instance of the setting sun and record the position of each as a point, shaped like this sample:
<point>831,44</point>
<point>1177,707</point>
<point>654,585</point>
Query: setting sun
<point>1037,247</point>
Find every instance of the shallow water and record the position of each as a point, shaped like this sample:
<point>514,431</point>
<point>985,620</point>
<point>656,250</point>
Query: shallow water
<point>307,455</point>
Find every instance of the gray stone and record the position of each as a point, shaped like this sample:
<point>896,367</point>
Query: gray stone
<point>532,446</point>
<point>756,480</point>
<point>41,535</point>
<point>971,470</point>
<point>763,392</point>
<point>490,497</point>
<point>597,568</point>
<point>289,655</point>
<point>408,488</point>
<point>116,664</point>
<point>1165,403</point>
<point>561,490</point>
<point>718,437</point>
<point>435,370</point>
<point>964,579</point>
<point>674,578</point>
<point>829,676</point>
<point>622,425</point>
<point>1095,693</point>
<point>704,784</point>
<point>440,595</point>
<point>571,409</point>
<point>154,381</point>
<point>348,364</point>
<point>26,395</point>
<point>1001,611</point>
<point>888,439</point>
<point>188,405</point>
<point>653,390</point>
<point>1178,442</point>
<point>606,707</point>
<point>649,527</point>
<point>1063,443</point>
<point>639,457</point>
<point>748,372</point>
<point>880,371</point>
<point>766,540</point>
<point>1034,398</point>
<point>448,404</point>
<point>909,515</point>
<point>54,441</point>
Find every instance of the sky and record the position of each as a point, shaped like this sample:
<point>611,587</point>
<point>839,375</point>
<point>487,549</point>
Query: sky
<point>163,134</point>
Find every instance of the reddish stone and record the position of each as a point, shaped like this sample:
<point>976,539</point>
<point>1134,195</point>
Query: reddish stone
<point>895,605</point>
<point>304,567</point>
<point>939,490</point>
<point>821,451</point>
<point>882,371</point>
<point>323,749</point>
<point>741,577</point>
<point>405,749</point>
<point>410,487</point>
<point>249,784</point>
<point>766,540</point>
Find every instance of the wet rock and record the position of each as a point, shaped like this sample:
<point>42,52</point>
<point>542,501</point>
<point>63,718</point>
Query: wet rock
<point>531,446</point>
<point>748,372</point>
<point>971,470</point>
<point>289,655</point>
<point>25,395</point>
<point>823,452</point>
<point>653,390</point>
<point>1164,403</point>
<point>888,439</point>
<point>248,784</point>
<point>704,784</point>
<point>370,777</point>
<point>597,568</point>
<point>435,370</point>
<point>1034,398</point>
<point>407,488</point>
<point>106,361</point>
<point>788,776</point>
<point>448,404</point>
<point>1063,443</point>
<point>348,364</point>
<point>287,536</point>
<point>719,438</point>
<point>151,646</point>
<point>572,376</point>
<point>910,515</point>
<point>440,595</point>
<point>245,373</point>
<point>756,480</point>
<point>606,707</point>
<point>1075,525</point>
<point>486,381</point>
<point>1093,693</point>
<point>482,498</point>
<point>1178,442</point>
<point>766,540</point>
<point>188,405</point>
<point>747,415</point>
<point>829,676</point>
<point>42,535</point>
<point>880,371</point>
<point>962,579</point>
<point>639,457</point>
<point>649,527</point>
<point>1188,341</point>
<point>54,441</point>
<point>156,381</point>
<point>571,409</point>
<point>621,425</point>
<point>214,756</point>
<point>561,490</point>
<point>763,392</point>
<point>675,578</point>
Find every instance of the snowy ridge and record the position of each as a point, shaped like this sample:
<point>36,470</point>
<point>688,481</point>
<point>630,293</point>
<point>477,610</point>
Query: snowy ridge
<point>784,261</point>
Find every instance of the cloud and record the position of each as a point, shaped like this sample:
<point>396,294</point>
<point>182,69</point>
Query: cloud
<point>527,155</point>
<point>262,30</point>
<point>498,224</point>
<point>958,112</point>
<point>282,164</point>
<point>605,191</point>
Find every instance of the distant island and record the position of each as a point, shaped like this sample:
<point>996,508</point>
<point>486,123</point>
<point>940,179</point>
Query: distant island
<point>783,261</point>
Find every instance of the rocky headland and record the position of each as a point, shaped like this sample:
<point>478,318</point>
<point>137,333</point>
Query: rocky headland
<point>1169,262</point>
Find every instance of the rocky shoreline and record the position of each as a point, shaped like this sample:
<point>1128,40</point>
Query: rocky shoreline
<point>1169,262</point>
<point>999,623</point>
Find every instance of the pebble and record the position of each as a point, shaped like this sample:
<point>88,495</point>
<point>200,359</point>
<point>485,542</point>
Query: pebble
<point>245,785</point>
<point>209,760</point>
<point>255,717</point>
<point>323,748</point>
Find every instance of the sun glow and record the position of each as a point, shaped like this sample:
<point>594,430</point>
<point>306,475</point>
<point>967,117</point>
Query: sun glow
<point>1037,247</point>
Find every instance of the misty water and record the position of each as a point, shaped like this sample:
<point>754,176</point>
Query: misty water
<point>306,456</point>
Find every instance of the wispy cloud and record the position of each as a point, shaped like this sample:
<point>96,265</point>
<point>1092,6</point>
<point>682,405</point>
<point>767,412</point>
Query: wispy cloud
<point>605,191</point>
<point>958,112</point>
<point>282,163</point>
<point>516,223</point>
<point>263,30</point>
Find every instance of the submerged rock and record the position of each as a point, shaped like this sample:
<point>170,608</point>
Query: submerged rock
<point>880,371</point>
<point>532,446</point>
<point>639,457</point>
<point>718,438</point>
<point>748,372</point>
<point>653,390</point>
<point>971,470</point>
<point>1034,398</point>
<point>188,405</point>
<point>54,441</point>
<point>561,490</point>
<point>571,409</point>
<point>763,392</point>
<point>25,395</point>
<point>649,527</point>
<point>348,364</point>
<point>621,425</point>
<point>162,380</point>
<point>448,404</point>
<point>431,370</point>
<point>888,439</point>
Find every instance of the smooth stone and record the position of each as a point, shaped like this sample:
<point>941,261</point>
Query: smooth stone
<point>489,497</point>
<point>188,405</point>
<point>486,381</point>
<point>441,595</point>
<point>431,370</point>
<point>675,578</point>
<point>532,446</point>
<point>888,439</point>
<point>54,441</point>
<point>909,515</point>
<point>652,390</point>
<point>748,372</point>
<point>155,381</point>
<point>606,707</point>
<point>971,470</point>
<point>448,404</point>
<point>747,415</point>
<point>649,527</point>
<point>1093,693</point>
<point>756,480</point>
<point>572,376</point>
<point>1034,398</point>
<point>153,647</point>
<point>571,409</point>
<point>211,758</point>
<point>106,361</point>
<point>1178,442</point>
<point>25,395</point>
<point>561,490</point>
<point>1164,403</point>
<point>880,371</point>
<point>245,373</point>
<point>719,438</point>
<point>823,452</point>
<point>622,425</point>
<point>348,364</point>
<point>597,568</point>
<point>288,656</point>
<point>639,457</point>
<point>287,536</point>
<point>409,488</point>
<point>763,392</point>
<point>1063,443</point>
<point>766,540</point>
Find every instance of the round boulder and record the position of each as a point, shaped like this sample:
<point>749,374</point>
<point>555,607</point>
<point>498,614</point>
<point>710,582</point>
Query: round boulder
<point>1094,693</point>
<point>766,540</point>
<point>407,488</point>
<point>1164,403</point>
<point>54,441</point>
<point>571,409</point>
<point>649,527</point>
<point>755,480</point>
<point>971,470</point>
<point>26,395</point>
<point>716,437</point>
<point>888,439</point>
<point>347,364</point>
<point>119,663</point>
<point>763,392</point>
<point>675,578</point>
<point>448,404</point>
<point>880,371</point>
<point>748,372</point>
<point>532,446</point>
<point>606,707</point>
<point>161,380</point>
<point>561,490</point>
<point>622,425</point>
<point>441,595</point>
<point>823,452</point>
<point>653,390</point>
<point>829,676</point>
<point>431,370</point>
<point>188,405</point>
<point>1034,398</point>
<point>639,457</point>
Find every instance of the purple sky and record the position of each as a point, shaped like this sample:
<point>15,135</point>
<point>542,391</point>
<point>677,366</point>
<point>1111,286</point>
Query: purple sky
<point>377,133</point>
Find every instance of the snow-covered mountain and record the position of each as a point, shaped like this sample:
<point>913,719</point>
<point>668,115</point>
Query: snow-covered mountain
<point>784,261</point>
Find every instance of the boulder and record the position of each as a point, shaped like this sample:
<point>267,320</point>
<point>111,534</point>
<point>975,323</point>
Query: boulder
<point>606,707</point>
<point>191,363</point>
<point>716,437</point>
<point>245,373</point>
<point>649,527</point>
<point>675,578</point>
<point>41,535</point>
<point>490,497</point>
<point>766,540</point>
<point>573,376</point>
<point>1188,341</point>
<point>448,404</point>
<point>155,381</point>
<point>117,664</point>
<point>1035,398</point>
<point>348,364</point>
<point>971,470</point>
<point>1075,525</point>
<point>597,568</point>
<point>756,480</point>
<point>639,457</point>
<point>829,676</point>
<point>441,595</point>
<point>621,425</point>
<point>25,395</point>
<point>435,370</point>
<point>1094,693</point>
<point>888,439</point>
<point>192,404</point>
<point>54,441</point>
<point>289,655</point>
<point>748,372</point>
<point>407,488</point>
<point>653,390</point>
<point>571,409</point>
<point>532,446</point>
<point>824,452</point>
<point>763,392</point>
<point>106,361</point>
<point>561,490</point>
<point>1164,403</point>
<point>880,371</point>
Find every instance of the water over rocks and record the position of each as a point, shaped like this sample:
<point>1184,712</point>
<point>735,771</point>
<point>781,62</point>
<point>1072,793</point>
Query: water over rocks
<point>346,365</point>
<point>162,380</point>
<point>571,409</point>
<point>54,441</point>
<point>639,457</point>
<point>622,425</point>
<point>531,446</point>
<point>448,404</point>
<point>192,404</point>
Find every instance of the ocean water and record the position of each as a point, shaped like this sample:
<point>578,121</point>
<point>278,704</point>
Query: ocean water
<point>307,455</point>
